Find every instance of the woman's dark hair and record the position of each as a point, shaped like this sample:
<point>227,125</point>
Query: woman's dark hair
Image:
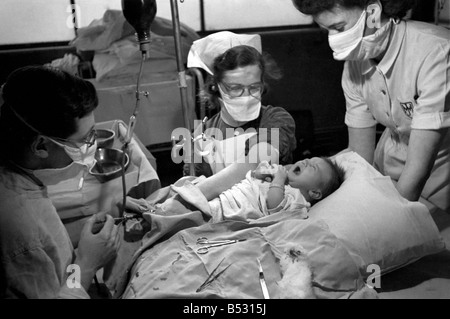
<point>233,58</point>
<point>47,99</point>
<point>391,8</point>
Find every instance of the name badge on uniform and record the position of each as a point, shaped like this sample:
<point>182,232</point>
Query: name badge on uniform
<point>408,109</point>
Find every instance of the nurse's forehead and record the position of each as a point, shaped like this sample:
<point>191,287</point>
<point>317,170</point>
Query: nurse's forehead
<point>337,16</point>
<point>252,70</point>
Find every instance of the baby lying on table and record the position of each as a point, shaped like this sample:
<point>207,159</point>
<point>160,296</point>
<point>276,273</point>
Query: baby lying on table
<point>292,187</point>
<point>314,178</point>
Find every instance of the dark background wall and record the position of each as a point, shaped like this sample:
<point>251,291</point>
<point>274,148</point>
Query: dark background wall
<point>13,58</point>
<point>310,88</point>
<point>311,76</point>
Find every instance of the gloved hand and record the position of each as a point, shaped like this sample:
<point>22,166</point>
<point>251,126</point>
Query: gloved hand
<point>96,250</point>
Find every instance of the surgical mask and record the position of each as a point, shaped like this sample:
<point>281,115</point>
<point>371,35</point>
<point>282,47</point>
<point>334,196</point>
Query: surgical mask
<point>57,177</point>
<point>351,45</point>
<point>243,108</point>
<point>84,155</point>
<point>375,44</point>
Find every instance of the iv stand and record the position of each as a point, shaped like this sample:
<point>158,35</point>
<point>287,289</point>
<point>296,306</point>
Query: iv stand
<point>140,14</point>
<point>130,130</point>
<point>182,83</point>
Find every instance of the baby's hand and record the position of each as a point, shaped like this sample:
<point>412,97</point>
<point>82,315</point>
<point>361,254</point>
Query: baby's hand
<point>265,171</point>
<point>280,175</point>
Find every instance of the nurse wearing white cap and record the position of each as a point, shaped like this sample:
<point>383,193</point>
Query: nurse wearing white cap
<point>238,72</point>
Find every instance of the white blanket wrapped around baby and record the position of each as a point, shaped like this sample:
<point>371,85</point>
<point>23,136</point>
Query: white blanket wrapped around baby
<point>247,200</point>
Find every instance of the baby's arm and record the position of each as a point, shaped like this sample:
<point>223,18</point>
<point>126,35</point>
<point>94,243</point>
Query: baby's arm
<point>275,195</point>
<point>214,185</point>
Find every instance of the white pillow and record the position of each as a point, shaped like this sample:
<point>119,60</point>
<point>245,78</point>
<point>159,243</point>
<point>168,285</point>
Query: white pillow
<point>372,220</point>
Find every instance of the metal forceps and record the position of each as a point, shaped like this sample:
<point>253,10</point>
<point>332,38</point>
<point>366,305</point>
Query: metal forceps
<point>213,276</point>
<point>207,244</point>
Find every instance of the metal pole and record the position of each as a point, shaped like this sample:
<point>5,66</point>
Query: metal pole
<point>182,83</point>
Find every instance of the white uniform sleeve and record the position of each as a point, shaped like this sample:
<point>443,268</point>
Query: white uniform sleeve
<point>432,110</point>
<point>33,275</point>
<point>358,114</point>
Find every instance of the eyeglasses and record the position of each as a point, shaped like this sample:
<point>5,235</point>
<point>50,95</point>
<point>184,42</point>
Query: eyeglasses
<point>236,90</point>
<point>90,139</point>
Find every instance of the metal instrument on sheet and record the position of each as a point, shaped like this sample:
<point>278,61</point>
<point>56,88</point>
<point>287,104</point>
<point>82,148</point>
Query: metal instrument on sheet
<point>262,281</point>
<point>213,276</point>
<point>98,225</point>
<point>207,244</point>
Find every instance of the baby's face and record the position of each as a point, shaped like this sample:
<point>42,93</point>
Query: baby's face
<point>309,174</point>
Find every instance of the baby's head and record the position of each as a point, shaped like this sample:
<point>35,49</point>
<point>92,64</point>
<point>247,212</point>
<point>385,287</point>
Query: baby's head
<point>316,178</point>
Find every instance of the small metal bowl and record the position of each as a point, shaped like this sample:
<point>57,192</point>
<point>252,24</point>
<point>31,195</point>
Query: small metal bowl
<point>109,164</point>
<point>105,138</point>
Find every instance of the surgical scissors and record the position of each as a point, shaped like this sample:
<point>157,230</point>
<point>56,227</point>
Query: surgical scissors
<point>213,243</point>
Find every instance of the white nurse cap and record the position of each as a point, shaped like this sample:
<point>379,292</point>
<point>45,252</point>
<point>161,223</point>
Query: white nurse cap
<point>205,50</point>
